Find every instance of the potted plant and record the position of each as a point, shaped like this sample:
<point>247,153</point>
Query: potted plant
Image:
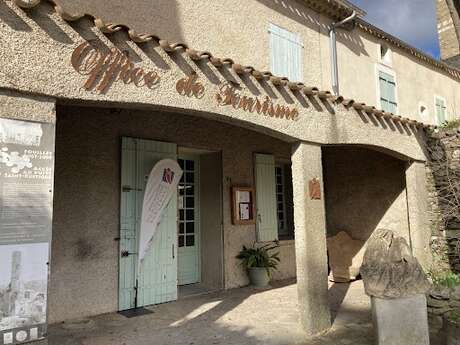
<point>259,262</point>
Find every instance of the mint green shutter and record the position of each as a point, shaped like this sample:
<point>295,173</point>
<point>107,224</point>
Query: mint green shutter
<point>440,110</point>
<point>267,222</point>
<point>157,277</point>
<point>286,53</point>
<point>387,92</point>
<point>128,238</point>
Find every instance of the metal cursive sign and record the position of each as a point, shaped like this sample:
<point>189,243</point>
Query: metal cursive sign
<point>189,86</point>
<point>104,68</point>
<point>228,95</point>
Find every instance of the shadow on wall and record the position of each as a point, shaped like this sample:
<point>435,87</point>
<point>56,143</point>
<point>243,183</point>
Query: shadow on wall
<point>305,16</point>
<point>159,17</point>
<point>364,190</point>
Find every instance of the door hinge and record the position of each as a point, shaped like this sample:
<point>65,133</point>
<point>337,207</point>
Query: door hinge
<point>129,189</point>
<point>136,290</point>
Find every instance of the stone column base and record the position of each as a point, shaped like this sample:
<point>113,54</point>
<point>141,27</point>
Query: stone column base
<point>401,321</point>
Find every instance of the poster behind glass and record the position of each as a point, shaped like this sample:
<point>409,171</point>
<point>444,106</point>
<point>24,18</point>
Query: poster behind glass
<point>26,182</point>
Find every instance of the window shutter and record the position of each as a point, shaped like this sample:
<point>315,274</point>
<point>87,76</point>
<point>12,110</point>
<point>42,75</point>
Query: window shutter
<point>391,84</point>
<point>285,53</point>
<point>383,93</point>
<point>440,110</point>
<point>267,222</point>
<point>387,92</point>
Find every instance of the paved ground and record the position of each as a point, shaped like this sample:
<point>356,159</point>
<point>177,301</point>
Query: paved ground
<point>241,316</point>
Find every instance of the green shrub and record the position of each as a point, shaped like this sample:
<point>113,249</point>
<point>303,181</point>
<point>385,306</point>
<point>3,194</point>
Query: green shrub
<point>446,279</point>
<point>454,316</point>
<point>450,124</point>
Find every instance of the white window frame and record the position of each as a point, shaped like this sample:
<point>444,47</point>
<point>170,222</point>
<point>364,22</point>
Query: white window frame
<point>385,69</point>
<point>284,230</point>
<point>388,59</point>
<point>289,232</point>
<point>301,44</point>
<point>436,97</point>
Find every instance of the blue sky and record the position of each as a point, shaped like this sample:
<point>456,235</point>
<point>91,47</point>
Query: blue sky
<point>413,21</point>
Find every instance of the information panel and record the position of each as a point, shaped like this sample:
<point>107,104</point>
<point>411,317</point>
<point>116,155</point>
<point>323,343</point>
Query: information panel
<point>26,199</point>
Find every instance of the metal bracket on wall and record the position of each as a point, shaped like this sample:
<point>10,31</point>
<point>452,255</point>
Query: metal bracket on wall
<point>129,189</point>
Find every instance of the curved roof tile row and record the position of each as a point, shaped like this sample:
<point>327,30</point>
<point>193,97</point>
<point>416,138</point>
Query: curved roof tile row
<point>374,31</point>
<point>108,28</point>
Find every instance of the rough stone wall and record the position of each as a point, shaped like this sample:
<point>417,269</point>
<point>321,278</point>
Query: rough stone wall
<point>442,167</point>
<point>84,264</point>
<point>450,46</point>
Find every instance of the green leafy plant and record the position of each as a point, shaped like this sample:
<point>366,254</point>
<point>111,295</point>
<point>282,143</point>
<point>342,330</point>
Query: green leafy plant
<point>261,257</point>
<point>454,316</point>
<point>446,279</point>
<point>450,124</point>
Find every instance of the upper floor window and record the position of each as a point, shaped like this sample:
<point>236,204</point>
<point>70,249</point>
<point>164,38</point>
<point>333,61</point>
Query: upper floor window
<point>385,54</point>
<point>441,110</point>
<point>387,86</point>
<point>285,53</point>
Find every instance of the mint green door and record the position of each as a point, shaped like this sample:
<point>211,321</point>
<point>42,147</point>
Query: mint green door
<point>156,280</point>
<point>267,221</point>
<point>188,236</point>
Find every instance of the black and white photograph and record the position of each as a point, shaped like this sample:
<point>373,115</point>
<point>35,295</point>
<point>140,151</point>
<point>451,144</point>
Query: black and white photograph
<point>23,282</point>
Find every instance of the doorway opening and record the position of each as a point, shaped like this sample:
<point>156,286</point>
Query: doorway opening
<point>200,241</point>
<point>187,248</point>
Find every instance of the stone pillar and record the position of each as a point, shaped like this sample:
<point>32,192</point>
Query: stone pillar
<point>417,208</point>
<point>15,281</point>
<point>310,240</point>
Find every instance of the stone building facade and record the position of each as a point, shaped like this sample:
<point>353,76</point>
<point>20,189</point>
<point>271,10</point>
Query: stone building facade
<point>120,93</point>
<point>448,40</point>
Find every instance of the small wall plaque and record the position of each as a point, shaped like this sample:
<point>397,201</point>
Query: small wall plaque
<point>314,187</point>
<point>242,205</point>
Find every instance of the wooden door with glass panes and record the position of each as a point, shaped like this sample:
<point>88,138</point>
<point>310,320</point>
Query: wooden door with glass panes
<point>188,234</point>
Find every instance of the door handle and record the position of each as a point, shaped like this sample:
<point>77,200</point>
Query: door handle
<point>173,254</point>
<point>125,253</point>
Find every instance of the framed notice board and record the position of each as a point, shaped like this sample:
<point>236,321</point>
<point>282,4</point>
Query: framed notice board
<point>243,205</point>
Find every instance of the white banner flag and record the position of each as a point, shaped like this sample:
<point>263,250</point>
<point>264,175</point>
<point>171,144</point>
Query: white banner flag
<point>161,185</point>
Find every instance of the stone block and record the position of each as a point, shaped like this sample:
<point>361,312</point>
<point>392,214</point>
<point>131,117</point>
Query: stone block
<point>345,257</point>
<point>439,311</point>
<point>454,303</point>
<point>435,323</point>
<point>401,321</point>
<point>437,303</point>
